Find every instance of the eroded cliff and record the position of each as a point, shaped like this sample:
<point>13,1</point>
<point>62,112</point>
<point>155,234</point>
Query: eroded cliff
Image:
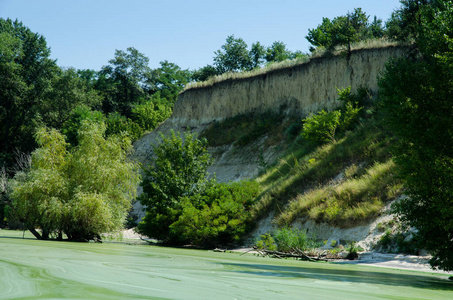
<point>301,89</point>
<point>297,90</point>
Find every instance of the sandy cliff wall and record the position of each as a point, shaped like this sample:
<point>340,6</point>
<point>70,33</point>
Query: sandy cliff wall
<point>300,89</point>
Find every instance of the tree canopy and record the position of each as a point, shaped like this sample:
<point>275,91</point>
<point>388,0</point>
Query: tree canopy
<point>416,97</point>
<point>79,192</point>
<point>344,30</point>
<point>179,169</point>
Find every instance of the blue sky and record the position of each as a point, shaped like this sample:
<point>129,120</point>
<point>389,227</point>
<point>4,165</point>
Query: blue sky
<point>85,33</point>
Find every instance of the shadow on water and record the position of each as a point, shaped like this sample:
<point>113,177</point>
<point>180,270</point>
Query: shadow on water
<point>390,277</point>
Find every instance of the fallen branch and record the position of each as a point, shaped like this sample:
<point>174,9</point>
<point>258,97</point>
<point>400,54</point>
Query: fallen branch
<point>301,255</point>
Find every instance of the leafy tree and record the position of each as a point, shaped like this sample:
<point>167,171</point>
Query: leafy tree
<point>405,22</point>
<point>178,169</point>
<point>233,56</point>
<point>376,28</point>
<point>168,80</point>
<point>119,124</point>
<point>80,193</point>
<point>257,55</point>
<point>123,81</point>
<point>277,52</point>
<point>149,115</point>
<point>416,97</point>
<point>80,114</point>
<point>34,91</point>
<point>205,73</point>
<point>344,30</point>
<point>67,91</point>
<point>25,75</point>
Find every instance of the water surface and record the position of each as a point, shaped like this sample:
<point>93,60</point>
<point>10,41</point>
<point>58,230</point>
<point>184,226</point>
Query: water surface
<point>32,269</point>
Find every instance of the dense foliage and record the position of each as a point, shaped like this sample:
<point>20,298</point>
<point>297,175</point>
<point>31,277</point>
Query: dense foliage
<point>344,30</point>
<point>286,240</point>
<point>416,96</point>
<point>183,205</point>
<point>234,56</point>
<point>322,126</point>
<point>178,169</point>
<point>34,91</point>
<point>219,215</point>
<point>81,192</point>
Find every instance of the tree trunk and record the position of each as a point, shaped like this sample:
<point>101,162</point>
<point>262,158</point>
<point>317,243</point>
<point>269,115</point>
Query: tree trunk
<point>34,232</point>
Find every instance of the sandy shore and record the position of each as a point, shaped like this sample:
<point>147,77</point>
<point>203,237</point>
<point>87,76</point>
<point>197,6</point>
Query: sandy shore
<point>384,260</point>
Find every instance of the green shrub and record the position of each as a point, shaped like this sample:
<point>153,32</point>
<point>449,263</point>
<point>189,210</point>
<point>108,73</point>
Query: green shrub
<point>72,125</point>
<point>266,242</point>
<point>217,216</point>
<point>353,251</point>
<point>321,127</point>
<point>149,115</point>
<point>177,170</point>
<point>119,124</point>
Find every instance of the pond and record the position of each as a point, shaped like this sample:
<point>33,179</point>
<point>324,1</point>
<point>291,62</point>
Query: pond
<point>32,269</point>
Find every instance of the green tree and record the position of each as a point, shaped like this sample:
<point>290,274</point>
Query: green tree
<point>416,96</point>
<point>26,72</point>
<point>73,124</point>
<point>123,81</point>
<point>168,80</point>
<point>178,169</point>
<point>67,92</point>
<point>205,73</point>
<point>149,115</point>
<point>405,22</point>
<point>344,30</point>
<point>233,56</point>
<point>257,55</point>
<point>79,193</point>
<point>277,52</point>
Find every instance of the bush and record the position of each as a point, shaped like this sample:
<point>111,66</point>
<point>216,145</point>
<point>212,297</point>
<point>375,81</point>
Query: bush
<point>118,124</point>
<point>321,127</point>
<point>177,170</point>
<point>149,115</point>
<point>286,240</point>
<point>266,242</point>
<point>219,215</point>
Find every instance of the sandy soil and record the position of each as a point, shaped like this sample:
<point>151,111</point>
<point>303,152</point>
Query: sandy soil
<point>384,260</point>
<point>375,259</point>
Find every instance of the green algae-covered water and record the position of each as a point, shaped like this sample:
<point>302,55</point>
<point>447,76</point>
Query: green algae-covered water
<point>32,269</point>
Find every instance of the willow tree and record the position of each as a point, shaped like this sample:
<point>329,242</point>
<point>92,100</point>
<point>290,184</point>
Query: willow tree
<point>79,193</point>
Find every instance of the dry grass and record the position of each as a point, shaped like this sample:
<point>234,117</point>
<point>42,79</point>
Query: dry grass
<point>350,202</point>
<point>320,52</point>
<point>306,182</point>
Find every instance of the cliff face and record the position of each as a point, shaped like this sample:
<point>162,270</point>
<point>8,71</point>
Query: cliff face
<point>300,89</point>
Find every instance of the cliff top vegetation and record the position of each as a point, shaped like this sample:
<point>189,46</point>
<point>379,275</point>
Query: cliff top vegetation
<point>290,63</point>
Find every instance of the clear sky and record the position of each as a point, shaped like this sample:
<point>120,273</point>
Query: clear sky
<point>85,33</point>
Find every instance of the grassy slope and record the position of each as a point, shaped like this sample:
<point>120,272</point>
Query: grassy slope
<point>344,183</point>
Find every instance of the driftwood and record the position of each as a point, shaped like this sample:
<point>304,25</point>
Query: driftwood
<point>299,255</point>
<point>148,241</point>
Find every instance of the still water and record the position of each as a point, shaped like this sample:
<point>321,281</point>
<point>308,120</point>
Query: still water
<point>32,269</point>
